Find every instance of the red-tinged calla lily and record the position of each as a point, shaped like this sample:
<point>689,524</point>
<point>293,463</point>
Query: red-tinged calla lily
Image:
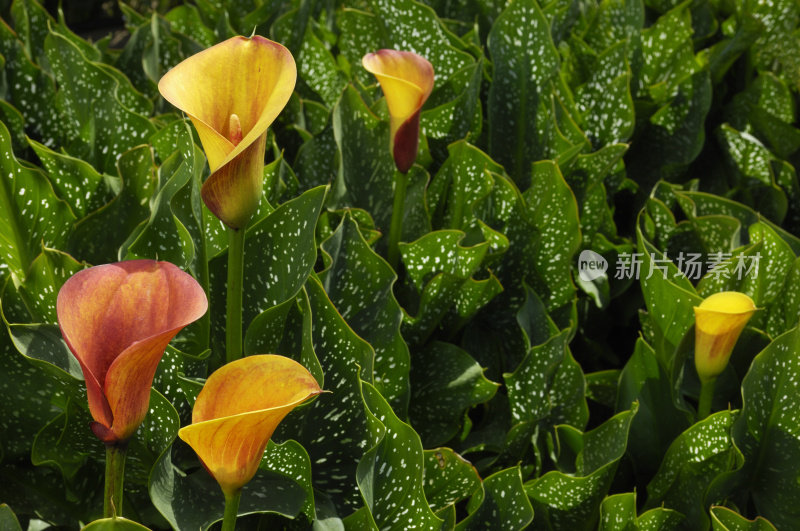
<point>232,92</point>
<point>719,320</point>
<point>407,80</point>
<point>237,411</point>
<point>117,319</point>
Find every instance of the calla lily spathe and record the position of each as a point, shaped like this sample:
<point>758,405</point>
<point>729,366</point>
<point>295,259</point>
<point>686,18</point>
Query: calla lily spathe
<point>117,319</point>
<point>406,80</point>
<point>237,411</point>
<point>719,320</point>
<point>232,92</point>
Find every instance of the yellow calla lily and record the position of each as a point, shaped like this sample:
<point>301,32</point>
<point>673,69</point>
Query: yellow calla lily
<point>719,320</point>
<point>237,411</point>
<point>232,92</point>
<point>407,80</point>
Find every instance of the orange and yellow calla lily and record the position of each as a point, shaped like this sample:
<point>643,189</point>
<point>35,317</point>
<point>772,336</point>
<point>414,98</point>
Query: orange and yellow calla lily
<point>232,92</point>
<point>407,80</point>
<point>117,319</point>
<point>719,320</point>
<point>237,411</point>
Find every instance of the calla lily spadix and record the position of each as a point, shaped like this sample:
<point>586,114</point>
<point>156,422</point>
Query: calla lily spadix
<point>719,320</point>
<point>237,411</point>
<point>232,92</point>
<point>117,319</point>
<point>406,80</point>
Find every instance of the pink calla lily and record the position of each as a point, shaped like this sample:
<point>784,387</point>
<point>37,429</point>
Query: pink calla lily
<point>117,319</point>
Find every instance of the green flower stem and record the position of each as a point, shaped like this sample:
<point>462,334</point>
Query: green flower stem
<point>231,510</point>
<point>233,324</point>
<point>115,474</point>
<point>706,394</point>
<point>396,228</point>
<point>202,274</point>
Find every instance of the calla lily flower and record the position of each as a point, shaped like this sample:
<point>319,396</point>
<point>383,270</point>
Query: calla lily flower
<point>237,411</point>
<point>407,80</point>
<point>232,92</point>
<point>719,320</point>
<point>117,319</point>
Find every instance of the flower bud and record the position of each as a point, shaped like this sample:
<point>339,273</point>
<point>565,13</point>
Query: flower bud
<point>719,320</point>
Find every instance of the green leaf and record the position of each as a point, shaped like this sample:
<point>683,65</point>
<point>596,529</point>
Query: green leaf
<point>767,431</point>
<point>586,178</point>
<point>670,299</point>
<point>618,513</point>
<point>37,104</point>
<point>703,204</point>
<point>440,251</point>
<point>448,478</point>
<point>333,429</point>
<point>725,519</point>
<point>692,461</point>
<point>442,269</point>
<point>281,252</point>
<point>366,172</point>
<point>317,67</point>
<point>26,393</point>
<point>605,102</point>
<point>16,125</point>
<point>445,383</point>
<point>500,504</point>
<point>186,19</point>
<point>8,520</point>
<point>571,501</point>
<point>667,53</point>
<point>390,473</point>
<point>279,255</point>
<point>30,213</point>
<point>113,124</point>
<point>98,237</point>
<point>40,289</point>
<point>192,499</point>
<point>524,61</point>
<point>458,114</point>
<point>66,443</point>
<point>462,181</point>
<point>359,283</point>
<point>163,236</point>
<point>722,55</point>
<point>286,329</point>
<point>76,181</point>
<point>675,133</point>
<point>548,386</point>
<point>658,421</point>
<point>114,524</point>
<point>360,33</point>
<point>400,19</point>
<point>554,212</point>
<point>614,21</point>
<point>43,343</point>
<point>40,493</point>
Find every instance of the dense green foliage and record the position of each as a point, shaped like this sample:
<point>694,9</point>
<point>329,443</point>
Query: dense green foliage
<point>485,384</point>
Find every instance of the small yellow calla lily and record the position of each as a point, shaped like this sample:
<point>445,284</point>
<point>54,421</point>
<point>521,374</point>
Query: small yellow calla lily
<point>407,80</point>
<point>719,320</point>
<point>232,92</point>
<point>237,411</point>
